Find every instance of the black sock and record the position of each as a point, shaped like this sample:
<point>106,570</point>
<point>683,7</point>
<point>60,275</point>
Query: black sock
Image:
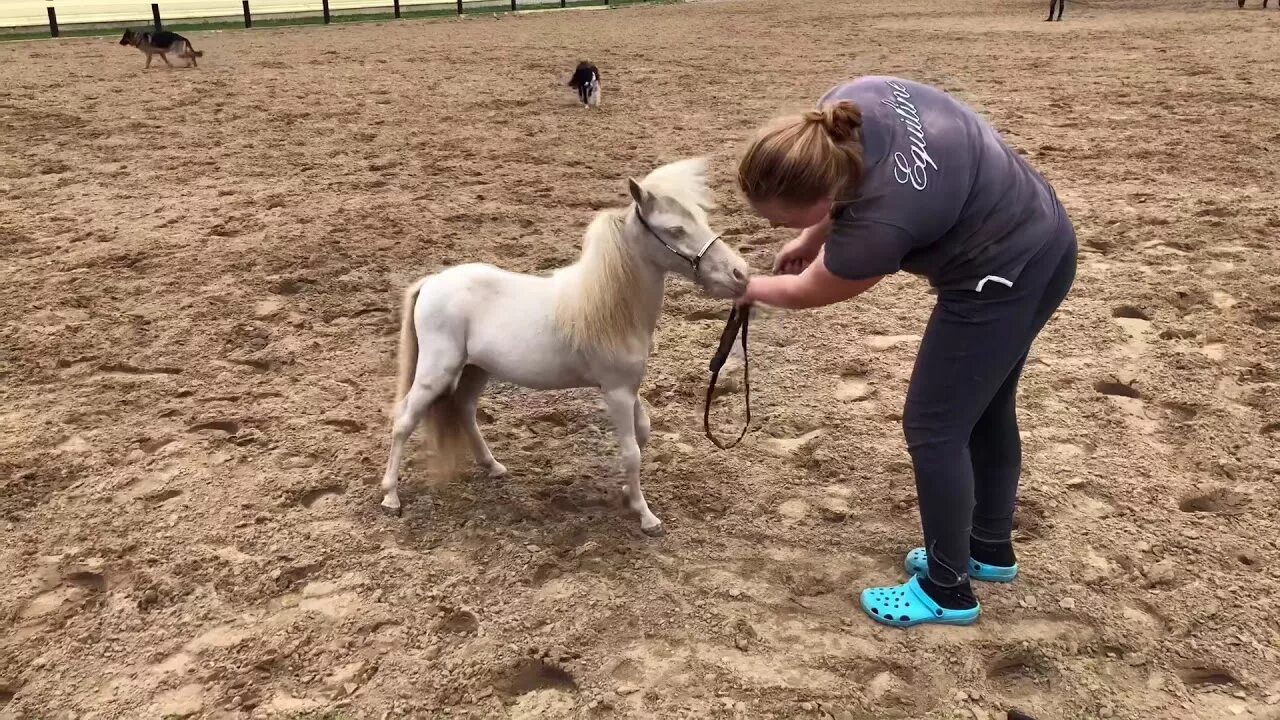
<point>956,597</point>
<point>999,554</point>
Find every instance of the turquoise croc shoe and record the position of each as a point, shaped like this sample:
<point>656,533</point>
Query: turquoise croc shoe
<point>917,563</point>
<point>907,604</point>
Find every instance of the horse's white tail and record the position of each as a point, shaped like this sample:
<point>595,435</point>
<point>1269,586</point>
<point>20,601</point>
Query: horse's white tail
<point>446,438</point>
<point>408,344</point>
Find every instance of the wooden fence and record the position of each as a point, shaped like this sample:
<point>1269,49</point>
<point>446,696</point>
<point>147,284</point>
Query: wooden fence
<point>459,7</point>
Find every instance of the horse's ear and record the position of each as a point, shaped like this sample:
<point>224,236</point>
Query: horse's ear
<point>637,193</point>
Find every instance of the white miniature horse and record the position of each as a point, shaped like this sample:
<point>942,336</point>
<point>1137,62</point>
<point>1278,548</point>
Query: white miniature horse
<point>589,324</point>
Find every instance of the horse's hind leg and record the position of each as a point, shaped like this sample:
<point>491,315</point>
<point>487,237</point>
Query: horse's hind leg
<point>622,403</point>
<point>438,364</point>
<point>470,387</point>
<point>642,424</point>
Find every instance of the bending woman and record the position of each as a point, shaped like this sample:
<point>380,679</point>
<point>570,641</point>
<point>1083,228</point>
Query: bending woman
<point>891,175</point>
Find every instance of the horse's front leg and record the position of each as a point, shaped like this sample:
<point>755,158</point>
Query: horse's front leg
<point>623,404</point>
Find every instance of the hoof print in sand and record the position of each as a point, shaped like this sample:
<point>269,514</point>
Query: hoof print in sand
<point>226,428</point>
<point>1028,521</point>
<point>459,622</point>
<point>77,589</point>
<point>1020,674</point>
<point>1208,677</point>
<point>320,496</point>
<point>532,674</point>
<point>1117,389</point>
<point>1180,412</point>
<point>1215,502</point>
<point>1130,312</point>
<point>345,425</point>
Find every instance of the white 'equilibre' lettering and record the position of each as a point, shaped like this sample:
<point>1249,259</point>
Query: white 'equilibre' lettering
<point>910,167</point>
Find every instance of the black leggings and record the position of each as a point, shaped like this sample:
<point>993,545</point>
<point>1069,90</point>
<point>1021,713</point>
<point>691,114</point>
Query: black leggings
<point>1060,5</point>
<point>960,419</point>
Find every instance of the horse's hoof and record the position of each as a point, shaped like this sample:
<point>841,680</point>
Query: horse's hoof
<point>497,471</point>
<point>656,531</point>
<point>392,511</point>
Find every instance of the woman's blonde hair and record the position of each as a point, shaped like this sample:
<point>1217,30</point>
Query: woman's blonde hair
<point>801,159</point>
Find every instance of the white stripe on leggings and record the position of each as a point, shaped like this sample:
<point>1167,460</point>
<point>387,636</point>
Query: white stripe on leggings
<point>993,278</point>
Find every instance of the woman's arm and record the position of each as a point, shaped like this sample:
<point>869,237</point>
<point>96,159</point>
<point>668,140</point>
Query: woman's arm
<point>814,287</point>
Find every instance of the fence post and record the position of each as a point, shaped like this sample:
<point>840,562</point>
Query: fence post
<point>397,8</point>
<point>459,7</point>
<point>155,16</point>
<point>248,18</point>
<point>513,5</point>
<point>325,4</point>
<point>562,3</point>
<point>53,22</point>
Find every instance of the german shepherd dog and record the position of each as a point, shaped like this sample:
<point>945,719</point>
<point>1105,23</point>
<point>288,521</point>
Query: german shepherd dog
<point>161,43</point>
<point>586,80</point>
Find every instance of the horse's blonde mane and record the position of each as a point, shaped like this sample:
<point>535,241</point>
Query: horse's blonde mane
<point>595,311</point>
<point>599,311</point>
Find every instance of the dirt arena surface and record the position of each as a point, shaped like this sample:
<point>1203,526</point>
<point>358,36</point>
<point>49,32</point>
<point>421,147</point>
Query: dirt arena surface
<point>201,285</point>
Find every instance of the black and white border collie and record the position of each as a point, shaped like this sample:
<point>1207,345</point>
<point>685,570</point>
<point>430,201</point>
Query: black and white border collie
<point>586,80</point>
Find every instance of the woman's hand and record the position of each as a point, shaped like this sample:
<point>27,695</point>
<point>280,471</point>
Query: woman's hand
<point>796,255</point>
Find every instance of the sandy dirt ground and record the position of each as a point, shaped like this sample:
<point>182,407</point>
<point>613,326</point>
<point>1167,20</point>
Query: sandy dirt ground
<point>201,283</point>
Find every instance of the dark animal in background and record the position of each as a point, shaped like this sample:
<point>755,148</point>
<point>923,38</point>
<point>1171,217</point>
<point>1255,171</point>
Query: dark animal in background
<point>586,80</point>
<point>161,43</point>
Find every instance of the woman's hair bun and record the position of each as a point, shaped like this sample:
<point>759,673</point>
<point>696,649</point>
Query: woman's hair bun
<point>841,121</point>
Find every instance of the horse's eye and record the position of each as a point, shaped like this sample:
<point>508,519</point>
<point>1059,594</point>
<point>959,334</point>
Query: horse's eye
<point>676,231</point>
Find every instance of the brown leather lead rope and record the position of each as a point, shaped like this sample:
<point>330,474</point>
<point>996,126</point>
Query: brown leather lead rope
<point>738,321</point>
